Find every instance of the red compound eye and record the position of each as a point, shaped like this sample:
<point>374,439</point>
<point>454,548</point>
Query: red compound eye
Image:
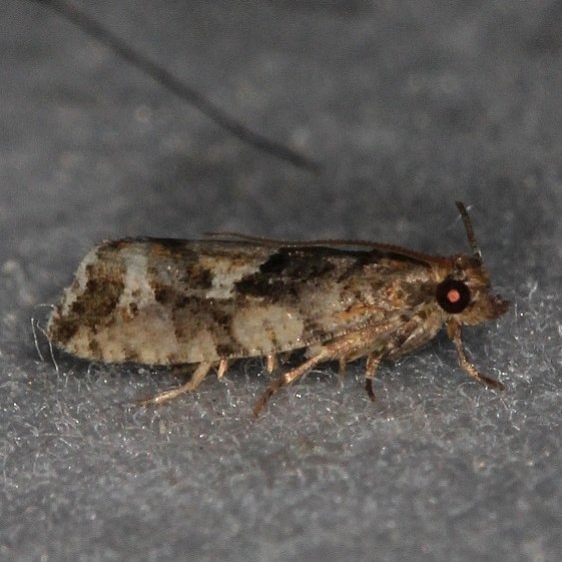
<point>453,296</point>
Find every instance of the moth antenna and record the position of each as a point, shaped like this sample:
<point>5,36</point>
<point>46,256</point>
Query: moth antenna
<point>469,230</point>
<point>165,78</point>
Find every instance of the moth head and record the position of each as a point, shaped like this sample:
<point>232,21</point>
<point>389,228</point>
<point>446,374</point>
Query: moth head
<point>465,290</point>
<point>465,293</point>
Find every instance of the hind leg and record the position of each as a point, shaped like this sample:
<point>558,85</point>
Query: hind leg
<point>290,376</point>
<point>196,379</point>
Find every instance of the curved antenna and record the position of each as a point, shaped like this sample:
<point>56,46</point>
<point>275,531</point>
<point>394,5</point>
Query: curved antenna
<point>469,230</point>
<point>94,29</point>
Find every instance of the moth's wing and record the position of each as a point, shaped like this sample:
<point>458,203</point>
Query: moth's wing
<point>304,296</point>
<point>153,301</point>
<point>159,301</point>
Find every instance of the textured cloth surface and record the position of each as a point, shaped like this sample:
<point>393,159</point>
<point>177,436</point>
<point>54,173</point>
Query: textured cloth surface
<point>409,107</point>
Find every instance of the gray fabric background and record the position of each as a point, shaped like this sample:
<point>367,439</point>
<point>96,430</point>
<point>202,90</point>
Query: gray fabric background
<point>409,106</point>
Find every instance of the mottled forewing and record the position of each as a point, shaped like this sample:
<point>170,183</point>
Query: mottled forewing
<point>160,301</point>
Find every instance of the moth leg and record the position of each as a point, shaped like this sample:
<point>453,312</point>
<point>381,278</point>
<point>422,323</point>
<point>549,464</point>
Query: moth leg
<point>342,369</point>
<point>272,363</point>
<point>195,380</point>
<point>287,378</point>
<point>222,369</point>
<point>373,362</point>
<point>454,332</point>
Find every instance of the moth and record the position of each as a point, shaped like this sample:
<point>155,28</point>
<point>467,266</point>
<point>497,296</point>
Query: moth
<point>209,302</point>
